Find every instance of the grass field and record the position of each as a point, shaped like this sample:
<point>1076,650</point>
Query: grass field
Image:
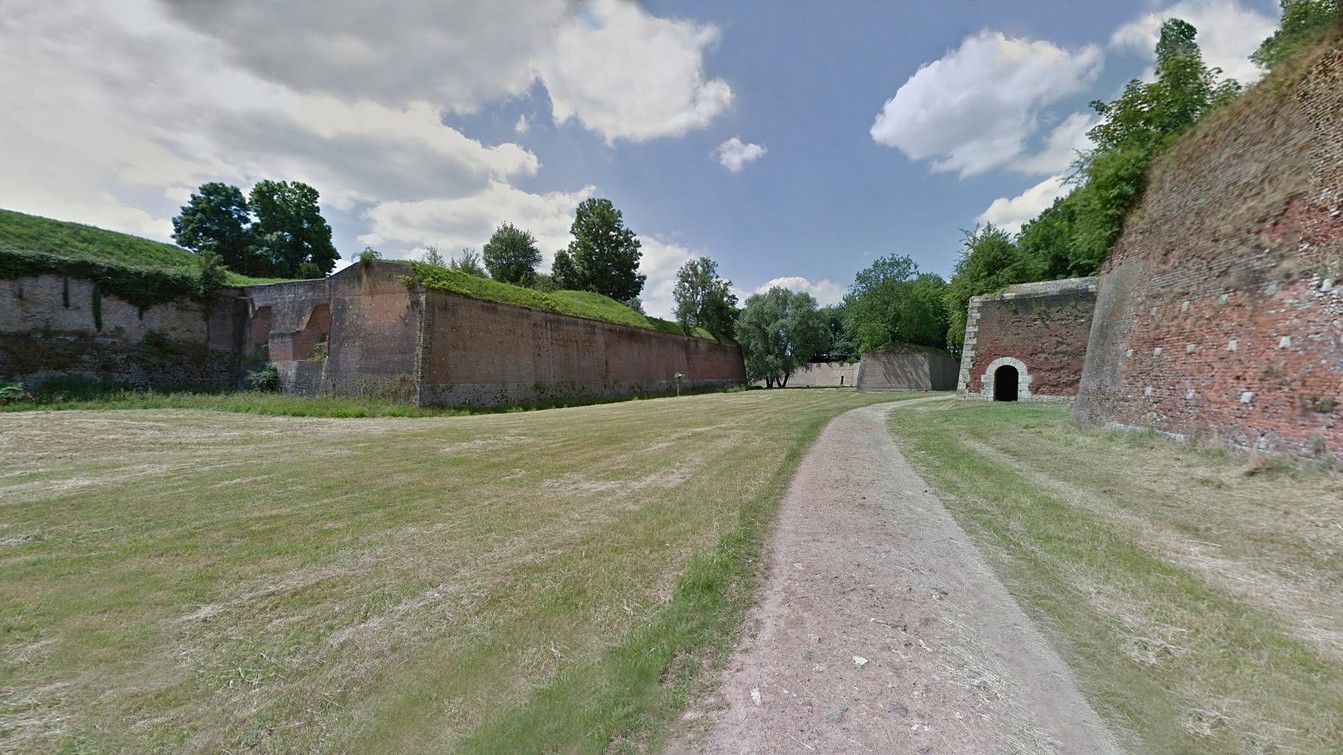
<point>1197,594</point>
<point>208,581</point>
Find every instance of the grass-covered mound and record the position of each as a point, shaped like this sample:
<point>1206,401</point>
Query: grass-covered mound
<point>576,303</point>
<point>140,271</point>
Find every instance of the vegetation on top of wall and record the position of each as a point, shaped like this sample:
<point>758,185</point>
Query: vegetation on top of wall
<point>139,271</point>
<point>576,303</point>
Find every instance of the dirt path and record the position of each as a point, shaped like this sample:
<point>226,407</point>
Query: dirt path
<point>883,630</point>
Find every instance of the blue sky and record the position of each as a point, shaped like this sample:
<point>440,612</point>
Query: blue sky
<point>794,141</point>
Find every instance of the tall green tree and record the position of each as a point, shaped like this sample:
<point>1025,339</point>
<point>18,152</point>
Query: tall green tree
<point>289,229</point>
<point>989,261</point>
<point>468,261</point>
<point>703,299</point>
<point>511,255</point>
<point>1303,21</point>
<point>1136,128</point>
<point>218,220</point>
<point>837,345</point>
<point>779,331</point>
<point>603,256</point>
<point>891,302</point>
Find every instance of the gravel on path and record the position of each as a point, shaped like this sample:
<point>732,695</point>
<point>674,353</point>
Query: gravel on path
<point>881,628</point>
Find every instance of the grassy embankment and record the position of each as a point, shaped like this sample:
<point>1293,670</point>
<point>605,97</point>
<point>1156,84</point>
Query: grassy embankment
<point>577,303</point>
<point>147,272</point>
<point>141,271</point>
<point>186,580</point>
<point>1196,593</point>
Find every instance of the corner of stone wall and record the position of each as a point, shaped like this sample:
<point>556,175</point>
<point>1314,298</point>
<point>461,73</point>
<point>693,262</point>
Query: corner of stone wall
<point>968,348</point>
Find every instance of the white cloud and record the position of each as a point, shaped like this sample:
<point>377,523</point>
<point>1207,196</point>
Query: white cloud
<point>1228,32</point>
<point>660,261</point>
<point>734,154</point>
<point>117,112</point>
<point>522,126</point>
<point>975,109</point>
<point>468,221</point>
<point>628,75</point>
<point>1011,213</point>
<point>1061,146</point>
<point>825,291</point>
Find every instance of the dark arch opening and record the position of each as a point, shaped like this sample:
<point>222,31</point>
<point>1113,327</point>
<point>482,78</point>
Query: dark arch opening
<point>1005,380</point>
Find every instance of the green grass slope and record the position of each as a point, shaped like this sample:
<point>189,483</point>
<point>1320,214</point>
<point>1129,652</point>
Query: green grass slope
<point>141,271</point>
<point>577,303</point>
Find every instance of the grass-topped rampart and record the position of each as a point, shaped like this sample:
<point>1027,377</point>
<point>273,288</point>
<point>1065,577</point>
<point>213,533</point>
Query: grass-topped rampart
<point>576,303</point>
<point>139,271</point>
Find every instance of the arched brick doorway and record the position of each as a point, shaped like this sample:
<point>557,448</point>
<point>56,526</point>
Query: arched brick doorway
<point>1006,380</point>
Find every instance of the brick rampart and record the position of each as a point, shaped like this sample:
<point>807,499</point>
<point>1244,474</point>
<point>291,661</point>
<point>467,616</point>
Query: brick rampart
<point>1038,329</point>
<point>822,375</point>
<point>1220,312</point>
<point>368,331</point>
<point>906,368</point>
<point>58,326</point>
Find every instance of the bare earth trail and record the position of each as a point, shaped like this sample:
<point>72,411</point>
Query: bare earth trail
<point>883,630</point>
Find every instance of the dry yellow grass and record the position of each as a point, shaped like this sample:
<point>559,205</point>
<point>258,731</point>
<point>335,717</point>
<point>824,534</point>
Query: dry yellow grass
<point>1196,592</point>
<point>187,580</point>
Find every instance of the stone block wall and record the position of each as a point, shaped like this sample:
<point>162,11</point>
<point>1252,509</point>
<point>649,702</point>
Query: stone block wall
<point>906,368</point>
<point>1040,330</point>
<point>58,326</point>
<point>1220,312</point>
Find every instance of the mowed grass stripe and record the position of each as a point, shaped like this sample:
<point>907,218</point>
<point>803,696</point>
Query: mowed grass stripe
<point>217,581</point>
<point>1090,529</point>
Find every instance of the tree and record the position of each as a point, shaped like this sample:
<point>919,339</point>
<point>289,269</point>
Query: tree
<point>217,219</point>
<point>1045,243</point>
<point>432,256</point>
<point>989,261</point>
<point>468,262</point>
<point>290,230</point>
<point>1302,22</point>
<point>703,299</point>
<point>891,302</point>
<point>604,255</point>
<point>511,255</point>
<point>837,345</point>
<point>1136,128</point>
<point>779,331</point>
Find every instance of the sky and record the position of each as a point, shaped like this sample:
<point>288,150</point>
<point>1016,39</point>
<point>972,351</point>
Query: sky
<point>794,142</point>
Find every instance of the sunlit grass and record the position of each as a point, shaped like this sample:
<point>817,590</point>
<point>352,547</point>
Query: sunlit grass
<point>1195,592</point>
<point>211,581</point>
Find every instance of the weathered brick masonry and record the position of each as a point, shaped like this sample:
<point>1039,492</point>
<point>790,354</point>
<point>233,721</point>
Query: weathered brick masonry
<point>1038,330</point>
<point>57,326</point>
<point>906,368</point>
<point>1220,311</point>
<point>364,331</point>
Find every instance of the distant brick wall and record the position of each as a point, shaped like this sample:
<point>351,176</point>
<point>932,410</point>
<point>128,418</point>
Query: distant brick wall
<point>1038,329</point>
<point>363,331</point>
<point>487,353</point>
<point>909,368</point>
<point>822,375</point>
<point>58,326</point>
<point>1220,312</point>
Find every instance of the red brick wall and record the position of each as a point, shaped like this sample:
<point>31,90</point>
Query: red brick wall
<point>389,339</point>
<point>1220,313</point>
<point>1045,326</point>
<point>486,353</point>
